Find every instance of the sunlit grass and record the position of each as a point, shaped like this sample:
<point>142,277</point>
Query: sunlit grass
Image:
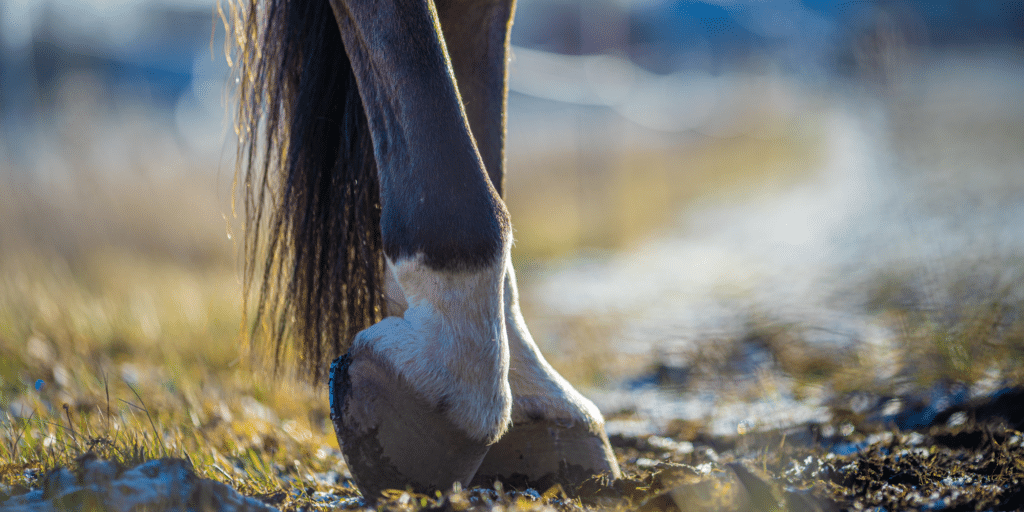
<point>121,335</point>
<point>120,315</point>
<point>133,359</point>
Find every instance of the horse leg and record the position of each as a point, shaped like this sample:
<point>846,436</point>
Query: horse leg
<point>557,435</point>
<point>418,399</point>
<point>476,34</point>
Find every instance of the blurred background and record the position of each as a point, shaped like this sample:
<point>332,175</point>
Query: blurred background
<point>731,212</point>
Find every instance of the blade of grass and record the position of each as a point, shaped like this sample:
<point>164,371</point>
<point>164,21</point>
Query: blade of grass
<point>156,432</point>
<point>17,440</point>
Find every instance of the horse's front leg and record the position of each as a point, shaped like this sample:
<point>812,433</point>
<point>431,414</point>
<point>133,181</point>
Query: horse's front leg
<point>418,399</point>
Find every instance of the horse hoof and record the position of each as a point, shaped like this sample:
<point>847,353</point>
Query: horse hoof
<point>543,453</point>
<point>391,437</point>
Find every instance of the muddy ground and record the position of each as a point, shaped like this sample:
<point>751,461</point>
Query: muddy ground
<point>969,457</point>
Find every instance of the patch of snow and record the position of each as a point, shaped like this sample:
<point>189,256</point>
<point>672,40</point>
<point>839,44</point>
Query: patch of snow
<point>163,484</point>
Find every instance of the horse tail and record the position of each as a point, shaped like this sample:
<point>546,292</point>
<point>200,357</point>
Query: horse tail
<point>314,267</point>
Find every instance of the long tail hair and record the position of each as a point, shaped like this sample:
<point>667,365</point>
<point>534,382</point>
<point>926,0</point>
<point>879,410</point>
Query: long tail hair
<point>313,253</point>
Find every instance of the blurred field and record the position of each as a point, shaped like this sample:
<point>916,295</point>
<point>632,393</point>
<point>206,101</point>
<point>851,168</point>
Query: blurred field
<point>891,269</point>
<point>620,188</point>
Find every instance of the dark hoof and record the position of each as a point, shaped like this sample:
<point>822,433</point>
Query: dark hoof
<point>541,453</point>
<point>391,437</point>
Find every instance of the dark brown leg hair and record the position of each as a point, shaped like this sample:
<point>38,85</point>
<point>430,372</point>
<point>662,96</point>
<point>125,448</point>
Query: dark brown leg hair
<point>476,33</point>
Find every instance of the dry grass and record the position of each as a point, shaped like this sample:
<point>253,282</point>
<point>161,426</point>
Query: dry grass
<point>120,321</point>
<point>120,315</point>
<point>134,359</point>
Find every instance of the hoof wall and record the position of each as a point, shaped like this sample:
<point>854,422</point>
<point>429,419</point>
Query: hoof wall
<point>540,454</point>
<point>391,437</point>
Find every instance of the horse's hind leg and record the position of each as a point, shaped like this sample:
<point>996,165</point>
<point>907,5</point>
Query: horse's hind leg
<point>418,399</point>
<point>557,435</point>
<point>476,35</point>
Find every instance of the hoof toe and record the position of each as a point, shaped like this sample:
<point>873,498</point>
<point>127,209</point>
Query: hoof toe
<point>392,438</point>
<point>542,453</point>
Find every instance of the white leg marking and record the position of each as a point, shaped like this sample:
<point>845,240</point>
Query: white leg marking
<point>538,390</point>
<point>451,344</point>
<point>396,303</point>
